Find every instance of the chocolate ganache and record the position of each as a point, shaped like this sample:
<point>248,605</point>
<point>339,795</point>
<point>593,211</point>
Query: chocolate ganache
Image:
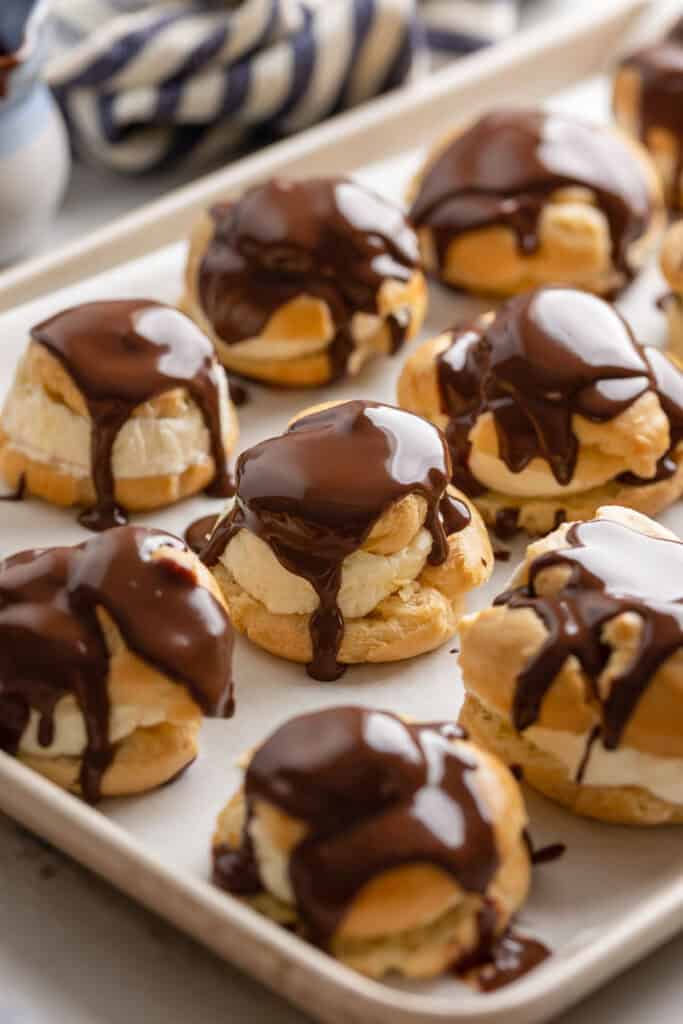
<point>375,793</point>
<point>326,238</point>
<point>124,353</point>
<point>612,570</point>
<point>52,642</point>
<point>314,494</point>
<point>548,355</point>
<point>506,166</point>
<point>660,102</point>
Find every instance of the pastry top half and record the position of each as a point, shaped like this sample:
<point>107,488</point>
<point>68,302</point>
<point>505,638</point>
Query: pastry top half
<point>527,197</point>
<point>549,397</point>
<point>647,103</point>
<point>124,633</point>
<point>373,830</point>
<point>299,282</point>
<point>116,394</point>
<point>583,654</point>
<point>350,506</point>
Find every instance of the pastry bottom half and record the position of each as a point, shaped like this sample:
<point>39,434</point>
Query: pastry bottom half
<point>138,494</point>
<point>145,759</point>
<point>538,516</point>
<point>403,625</point>
<point>621,805</point>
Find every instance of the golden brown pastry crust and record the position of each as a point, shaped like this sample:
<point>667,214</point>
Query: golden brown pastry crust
<point>305,320</point>
<point>414,920</point>
<point>537,516</point>
<point>619,805</point>
<point>661,144</point>
<point>149,756</point>
<point>146,759</point>
<point>422,616</point>
<point>497,645</point>
<point>59,487</point>
<point>632,435</point>
<point>574,242</point>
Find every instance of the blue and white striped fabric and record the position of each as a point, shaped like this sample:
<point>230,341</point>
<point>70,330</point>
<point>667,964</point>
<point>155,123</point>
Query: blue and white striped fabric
<point>455,27</point>
<point>143,84</point>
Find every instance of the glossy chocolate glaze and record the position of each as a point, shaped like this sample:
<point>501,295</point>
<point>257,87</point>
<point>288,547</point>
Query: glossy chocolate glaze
<point>52,642</point>
<point>122,354</point>
<point>375,793</point>
<point>511,956</point>
<point>612,570</point>
<point>548,355</point>
<point>314,494</point>
<point>506,166</point>
<point>197,534</point>
<point>326,238</point>
<point>660,100</point>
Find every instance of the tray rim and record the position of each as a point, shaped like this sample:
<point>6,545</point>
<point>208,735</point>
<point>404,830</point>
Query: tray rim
<point>277,959</point>
<point>384,122</point>
<point>288,964</point>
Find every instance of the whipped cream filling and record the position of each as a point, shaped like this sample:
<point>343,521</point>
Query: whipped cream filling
<point>47,431</point>
<point>273,864</point>
<point>70,739</point>
<point>367,579</point>
<point>625,766</point>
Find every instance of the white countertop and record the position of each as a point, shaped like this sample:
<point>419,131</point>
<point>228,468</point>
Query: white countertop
<point>75,951</point>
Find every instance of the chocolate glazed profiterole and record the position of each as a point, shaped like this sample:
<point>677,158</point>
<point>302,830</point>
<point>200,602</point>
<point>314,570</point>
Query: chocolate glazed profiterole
<point>509,165</point>
<point>612,570</point>
<point>54,641</point>
<point>574,672</point>
<point>315,493</point>
<point>647,102</point>
<point>544,360</point>
<point>328,240</point>
<point>120,355</point>
<point>361,796</point>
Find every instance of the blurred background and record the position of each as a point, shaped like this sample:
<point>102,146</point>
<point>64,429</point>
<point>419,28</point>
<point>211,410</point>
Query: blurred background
<point>107,104</point>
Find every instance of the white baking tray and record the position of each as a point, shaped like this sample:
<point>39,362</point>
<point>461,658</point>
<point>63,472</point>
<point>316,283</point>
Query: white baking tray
<point>614,895</point>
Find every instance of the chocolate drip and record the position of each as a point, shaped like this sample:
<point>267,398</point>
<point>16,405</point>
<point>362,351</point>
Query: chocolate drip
<point>548,355</point>
<point>660,100</point>
<point>505,168</point>
<point>52,642</point>
<point>612,569</point>
<point>455,515</point>
<point>122,354</point>
<point>197,534</point>
<point>375,793</point>
<point>511,957</point>
<point>506,523</point>
<point>315,493</point>
<point>238,393</point>
<point>547,854</point>
<point>18,493</point>
<point>329,239</point>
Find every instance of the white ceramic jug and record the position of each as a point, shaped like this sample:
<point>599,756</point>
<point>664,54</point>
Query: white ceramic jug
<point>34,151</point>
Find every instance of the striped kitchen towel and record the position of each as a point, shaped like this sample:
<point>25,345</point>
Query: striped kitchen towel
<point>143,84</point>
